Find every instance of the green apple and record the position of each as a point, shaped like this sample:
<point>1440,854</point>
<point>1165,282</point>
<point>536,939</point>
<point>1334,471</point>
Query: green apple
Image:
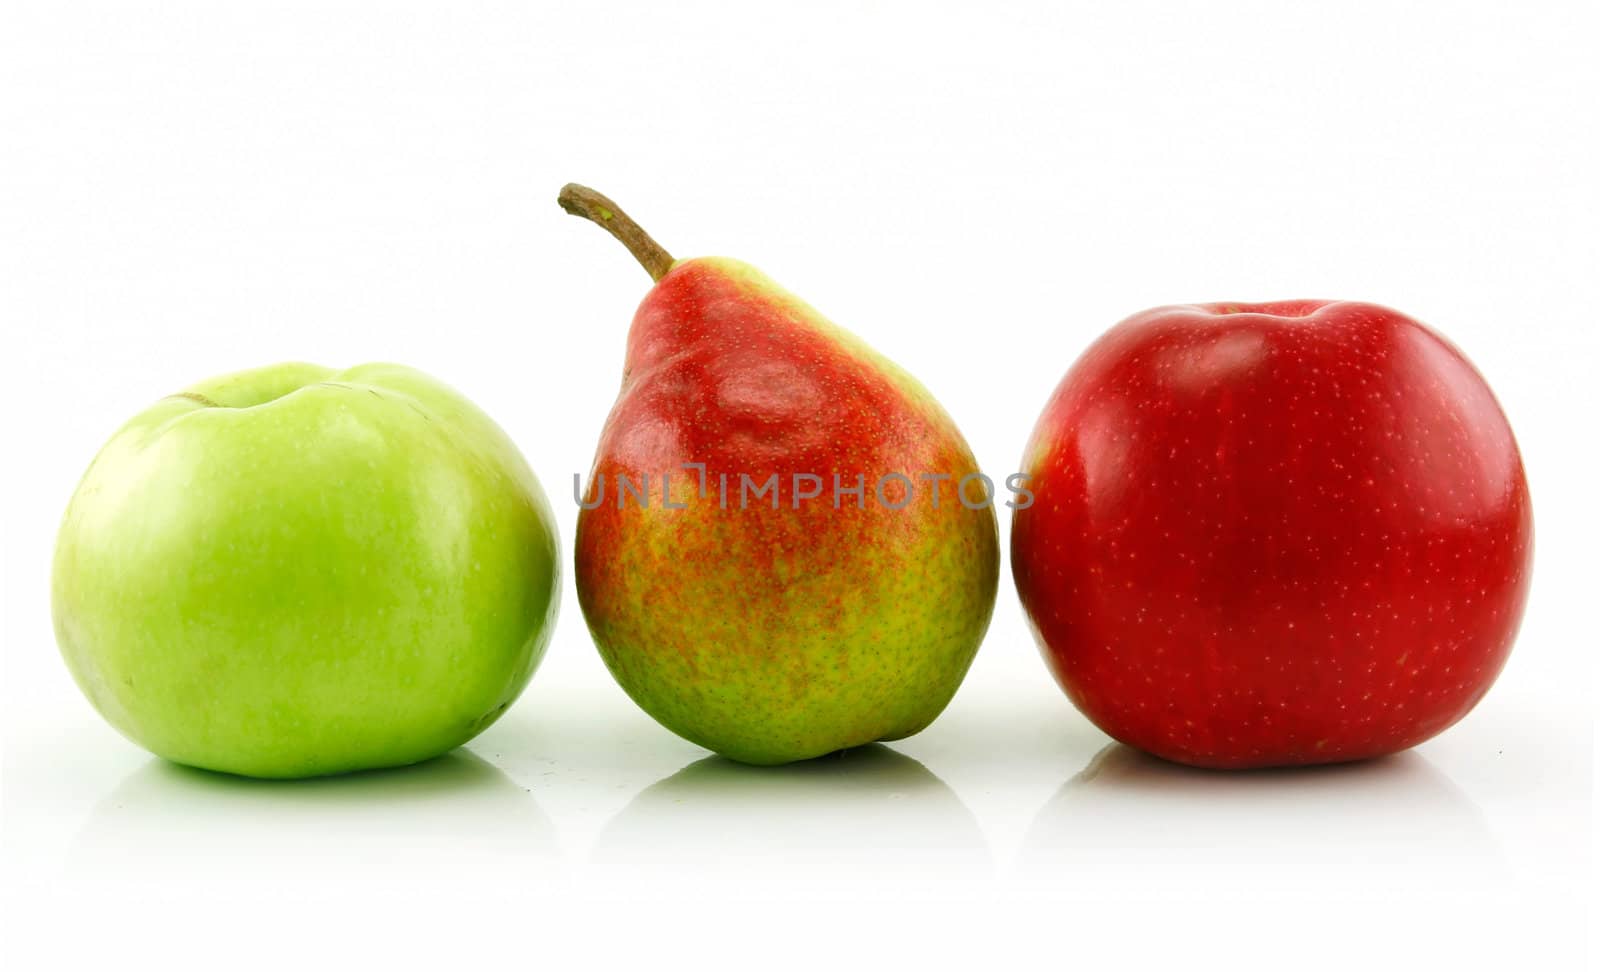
<point>296,571</point>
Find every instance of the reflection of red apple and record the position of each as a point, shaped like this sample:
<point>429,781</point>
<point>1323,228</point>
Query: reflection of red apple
<point>1274,534</point>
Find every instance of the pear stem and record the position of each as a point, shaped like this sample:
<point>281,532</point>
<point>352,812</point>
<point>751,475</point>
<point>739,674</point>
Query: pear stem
<point>583,201</point>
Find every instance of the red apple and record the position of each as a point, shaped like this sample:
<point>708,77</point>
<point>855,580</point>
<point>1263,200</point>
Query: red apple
<point>1273,534</point>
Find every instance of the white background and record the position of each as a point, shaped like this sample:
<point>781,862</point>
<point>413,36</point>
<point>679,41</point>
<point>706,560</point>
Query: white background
<point>187,189</point>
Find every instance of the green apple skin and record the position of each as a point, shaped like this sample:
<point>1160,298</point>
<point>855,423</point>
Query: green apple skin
<point>295,571</point>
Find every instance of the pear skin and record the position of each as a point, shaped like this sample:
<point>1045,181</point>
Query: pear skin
<point>761,607</point>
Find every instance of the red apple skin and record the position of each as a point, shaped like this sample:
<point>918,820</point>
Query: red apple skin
<point>1273,534</point>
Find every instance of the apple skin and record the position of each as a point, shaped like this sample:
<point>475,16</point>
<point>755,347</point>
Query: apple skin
<point>293,572</point>
<point>1274,534</point>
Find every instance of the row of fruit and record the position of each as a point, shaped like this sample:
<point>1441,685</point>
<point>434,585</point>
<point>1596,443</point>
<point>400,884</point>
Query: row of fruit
<point>1244,534</point>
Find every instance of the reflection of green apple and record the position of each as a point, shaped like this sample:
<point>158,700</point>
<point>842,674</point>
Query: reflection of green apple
<point>294,571</point>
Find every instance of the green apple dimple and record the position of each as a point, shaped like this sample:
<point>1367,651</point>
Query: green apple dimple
<point>294,571</point>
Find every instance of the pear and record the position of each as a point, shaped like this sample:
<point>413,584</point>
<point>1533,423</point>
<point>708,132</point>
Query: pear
<point>785,547</point>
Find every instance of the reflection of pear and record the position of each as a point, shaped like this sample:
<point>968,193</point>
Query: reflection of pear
<point>1392,821</point>
<point>862,810</point>
<point>453,814</point>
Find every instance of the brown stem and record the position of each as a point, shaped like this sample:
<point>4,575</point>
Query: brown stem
<point>583,201</point>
